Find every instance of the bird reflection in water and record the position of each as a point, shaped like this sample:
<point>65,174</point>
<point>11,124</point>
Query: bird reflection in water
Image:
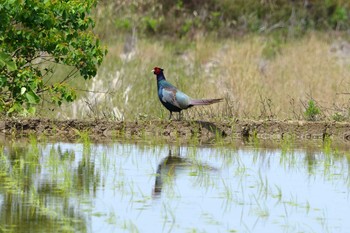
<point>166,169</point>
<point>172,165</point>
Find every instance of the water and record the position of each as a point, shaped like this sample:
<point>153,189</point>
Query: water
<point>83,187</point>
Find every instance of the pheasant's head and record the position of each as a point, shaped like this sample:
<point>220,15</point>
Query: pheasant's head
<point>156,70</point>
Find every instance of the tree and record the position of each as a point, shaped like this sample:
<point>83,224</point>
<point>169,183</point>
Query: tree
<point>35,36</point>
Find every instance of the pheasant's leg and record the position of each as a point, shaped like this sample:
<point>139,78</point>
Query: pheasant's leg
<point>171,113</point>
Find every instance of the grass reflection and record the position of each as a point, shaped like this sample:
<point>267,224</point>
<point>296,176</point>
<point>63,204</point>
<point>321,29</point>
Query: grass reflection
<point>86,187</point>
<point>39,190</point>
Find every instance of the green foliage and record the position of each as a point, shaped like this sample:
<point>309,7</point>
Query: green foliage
<point>186,27</point>
<point>312,111</point>
<point>123,24</point>
<point>151,24</point>
<point>36,35</point>
<point>338,116</point>
<point>6,60</point>
<point>339,17</point>
<point>227,17</point>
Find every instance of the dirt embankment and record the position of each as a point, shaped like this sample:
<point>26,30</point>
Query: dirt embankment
<point>203,131</point>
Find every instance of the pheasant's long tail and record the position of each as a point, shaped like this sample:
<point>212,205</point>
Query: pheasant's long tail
<point>205,101</point>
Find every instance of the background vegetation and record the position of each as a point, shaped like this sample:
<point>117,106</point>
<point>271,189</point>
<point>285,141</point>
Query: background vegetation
<point>36,37</point>
<point>223,18</point>
<point>269,59</point>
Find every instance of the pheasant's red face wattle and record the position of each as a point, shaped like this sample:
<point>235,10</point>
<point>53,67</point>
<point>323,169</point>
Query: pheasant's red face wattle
<point>157,70</point>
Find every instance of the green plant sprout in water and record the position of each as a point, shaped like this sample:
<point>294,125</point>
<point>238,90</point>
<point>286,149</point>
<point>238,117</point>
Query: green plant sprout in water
<point>84,137</point>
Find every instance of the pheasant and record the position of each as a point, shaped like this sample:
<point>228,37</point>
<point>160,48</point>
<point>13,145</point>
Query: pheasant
<point>173,99</point>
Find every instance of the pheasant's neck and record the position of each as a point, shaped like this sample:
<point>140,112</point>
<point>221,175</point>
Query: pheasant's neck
<point>160,77</point>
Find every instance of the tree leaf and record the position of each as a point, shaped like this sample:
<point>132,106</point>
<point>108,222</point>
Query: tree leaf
<point>23,90</point>
<point>32,110</point>
<point>32,97</point>
<point>6,60</point>
<point>60,29</point>
<point>15,108</point>
<point>3,58</point>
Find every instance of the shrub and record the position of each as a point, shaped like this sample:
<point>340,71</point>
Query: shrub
<point>35,35</point>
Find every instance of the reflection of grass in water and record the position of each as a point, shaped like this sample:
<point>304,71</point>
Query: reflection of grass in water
<point>4,164</point>
<point>327,146</point>
<point>227,192</point>
<point>234,191</point>
<point>105,161</point>
<point>45,197</point>
<point>129,226</point>
<point>112,218</point>
<point>261,210</point>
<point>264,192</point>
<point>20,166</point>
<point>168,214</point>
<point>278,195</point>
<point>204,177</point>
<point>263,186</point>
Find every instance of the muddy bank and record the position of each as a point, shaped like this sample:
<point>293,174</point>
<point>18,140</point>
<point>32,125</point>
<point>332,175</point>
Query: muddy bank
<point>202,131</point>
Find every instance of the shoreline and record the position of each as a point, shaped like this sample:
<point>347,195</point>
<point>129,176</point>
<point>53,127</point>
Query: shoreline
<point>170,131</point>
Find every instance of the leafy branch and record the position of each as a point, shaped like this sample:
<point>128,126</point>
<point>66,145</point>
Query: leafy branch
<point>34,34</point>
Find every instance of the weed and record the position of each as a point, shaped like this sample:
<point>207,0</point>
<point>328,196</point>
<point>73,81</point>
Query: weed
<point>312,111</point>
<point>339,117</point>
<point>287,143</point>
<point>266,111</point>
<point>84,137</point>
<point>255,139</point>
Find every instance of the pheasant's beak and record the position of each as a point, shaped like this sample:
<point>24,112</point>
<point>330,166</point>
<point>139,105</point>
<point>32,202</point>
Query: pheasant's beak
<point>152,71</point>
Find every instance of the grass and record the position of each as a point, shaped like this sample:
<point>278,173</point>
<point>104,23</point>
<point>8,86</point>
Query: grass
<point>254,85</point>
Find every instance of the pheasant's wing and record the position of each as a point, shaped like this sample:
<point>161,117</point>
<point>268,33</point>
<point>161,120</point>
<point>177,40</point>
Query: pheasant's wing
<point>182,99</point>
<point>169,96</point>
<point>175,97</point>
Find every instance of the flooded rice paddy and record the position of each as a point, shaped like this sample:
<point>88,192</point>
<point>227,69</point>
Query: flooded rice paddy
<point>121,187</point>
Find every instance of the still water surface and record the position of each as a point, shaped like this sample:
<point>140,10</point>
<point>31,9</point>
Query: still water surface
<point>118,187</point>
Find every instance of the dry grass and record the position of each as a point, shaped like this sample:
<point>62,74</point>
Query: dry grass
<point>302,70</point>
<point>315,67</point>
